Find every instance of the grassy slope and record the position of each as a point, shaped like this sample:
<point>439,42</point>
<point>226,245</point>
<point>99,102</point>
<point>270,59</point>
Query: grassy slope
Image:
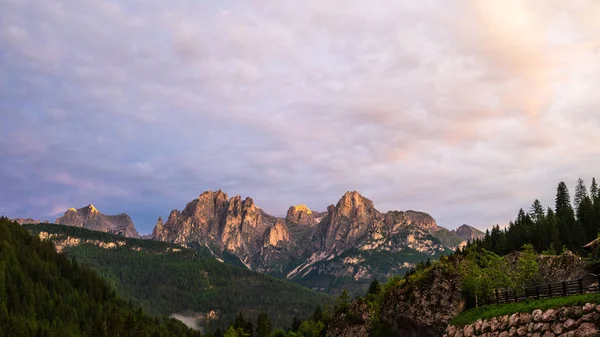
<point>188,280</point>
<point>495,310</point>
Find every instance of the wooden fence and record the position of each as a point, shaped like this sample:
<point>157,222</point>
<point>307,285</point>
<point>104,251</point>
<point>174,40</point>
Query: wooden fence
<point>585,285</point>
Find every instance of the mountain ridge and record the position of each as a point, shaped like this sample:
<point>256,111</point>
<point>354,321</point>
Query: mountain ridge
<point>315,248</point>
<point>90,218</point>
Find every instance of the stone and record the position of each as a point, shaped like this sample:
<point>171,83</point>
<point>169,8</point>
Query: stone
<point>557,328</point>
<point>512,331</point>
<point>569,324</point>
<point>573,312</point>
<point>514,320</point>
<point>591,317</point>
<point>494,324</point>
<point>485,326</point>
<point>522,331</point>
<point>478,324</point>
<point>548,334</point>
<point>537,315</point>
<point>451,330</point>
<point>541,327</point>
<point>503,334</point>
<point>586,330</point>
<point>469,330</point>
<point>588,307</point>
<point>549,316</point>
<point>562,314</point>
<point>524,318</point>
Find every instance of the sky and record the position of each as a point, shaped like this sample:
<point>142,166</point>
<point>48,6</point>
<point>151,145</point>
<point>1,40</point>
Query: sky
<point>465,109</point>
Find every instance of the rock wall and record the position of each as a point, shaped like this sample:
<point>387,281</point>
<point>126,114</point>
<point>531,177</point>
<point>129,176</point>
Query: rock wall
<point>575,321</point>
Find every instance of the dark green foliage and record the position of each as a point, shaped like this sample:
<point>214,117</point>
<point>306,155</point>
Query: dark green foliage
<point>263,325</point>
<point>375,288</point>
<point>550,231</point>
<point>165,279</point>
<point>43,293</point>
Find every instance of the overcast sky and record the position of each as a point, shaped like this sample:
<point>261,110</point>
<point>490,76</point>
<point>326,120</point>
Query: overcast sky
<point>466,109</point>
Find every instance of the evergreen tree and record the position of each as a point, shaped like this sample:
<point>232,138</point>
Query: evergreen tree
<point>568,228</point>
<point>536,212</point>
<point>263,325</point>
<point>374,288</point>
<point>594,191</point>
<point>580,193</point>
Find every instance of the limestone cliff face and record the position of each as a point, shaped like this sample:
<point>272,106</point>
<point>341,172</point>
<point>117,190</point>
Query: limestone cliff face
<point>352,219</point>
<point>348,241</point>
<point>90,218</point>
<point>214,220</point>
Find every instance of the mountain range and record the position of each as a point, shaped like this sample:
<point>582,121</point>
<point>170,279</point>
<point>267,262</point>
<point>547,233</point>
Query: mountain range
<point>344,247</point>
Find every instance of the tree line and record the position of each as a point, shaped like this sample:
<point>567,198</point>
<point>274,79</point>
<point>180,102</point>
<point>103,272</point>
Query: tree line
<point>569,225</point>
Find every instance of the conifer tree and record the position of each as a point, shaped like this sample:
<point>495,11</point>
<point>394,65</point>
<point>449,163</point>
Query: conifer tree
<point>374,288</point>
<point>580,193</point>
<point>594,191</point>
<point>263,325</point>
<point>536,212</point>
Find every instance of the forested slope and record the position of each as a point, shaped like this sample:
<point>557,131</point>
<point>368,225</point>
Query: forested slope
<point>43,293</point>
<point>166,279</point>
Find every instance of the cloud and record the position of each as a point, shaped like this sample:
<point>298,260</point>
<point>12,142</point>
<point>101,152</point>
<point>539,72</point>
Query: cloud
<point>467,110</point>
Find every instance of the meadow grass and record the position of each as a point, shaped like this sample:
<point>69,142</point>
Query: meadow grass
<point>494,310</point>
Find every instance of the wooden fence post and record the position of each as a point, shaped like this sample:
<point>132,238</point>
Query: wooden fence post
<point>549,290</point>
<point>537,292</point>
<point>506,296</point>
<point>598,280</point>
<point>526,293</point>
<point>497,297</point>
<point>564,284</point>
<point>581,286</point>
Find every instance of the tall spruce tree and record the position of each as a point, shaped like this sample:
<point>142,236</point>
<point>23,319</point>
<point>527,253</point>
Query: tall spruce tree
<point>580,193</point>
<point>536,212</point>
<point>594,192</point>
<point>568,227</point>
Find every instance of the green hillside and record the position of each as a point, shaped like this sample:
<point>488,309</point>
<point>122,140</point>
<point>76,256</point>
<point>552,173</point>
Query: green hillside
<point>43,293</point>
<point>166,279</point>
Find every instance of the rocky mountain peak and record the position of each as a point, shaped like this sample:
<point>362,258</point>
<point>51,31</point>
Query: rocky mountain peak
<point>352,203</point>
<point>90,218</point>
<point>300,215</point>
<point>158,228</point>
<point>467,232</point>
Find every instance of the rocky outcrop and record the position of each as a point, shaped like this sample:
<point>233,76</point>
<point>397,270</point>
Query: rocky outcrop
<point>575,321</point>
<point>90,218</point>
<point>467,232</point>
<point>424,307</point>
<point>300,215</point>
